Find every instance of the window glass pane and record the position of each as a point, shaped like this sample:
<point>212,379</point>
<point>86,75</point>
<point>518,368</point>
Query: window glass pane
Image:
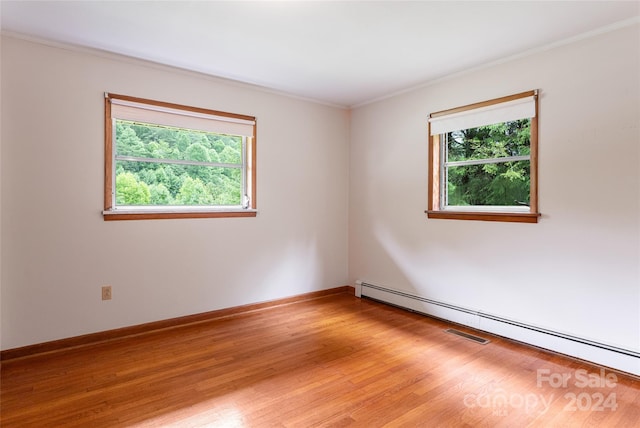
<point>161,142</point>
<point>490,141</point>
<point>495,184</point>
<point>147,183</point>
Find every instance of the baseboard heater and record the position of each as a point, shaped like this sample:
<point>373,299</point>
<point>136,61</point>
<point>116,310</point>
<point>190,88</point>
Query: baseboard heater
<point>618,358</point>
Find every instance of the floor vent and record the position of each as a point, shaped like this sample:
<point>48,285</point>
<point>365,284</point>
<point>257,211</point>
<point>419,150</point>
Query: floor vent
<point>468,336</point>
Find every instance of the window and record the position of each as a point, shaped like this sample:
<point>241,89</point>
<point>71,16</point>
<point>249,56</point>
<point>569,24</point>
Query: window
<point>166,160</point>
<point>483,161</point>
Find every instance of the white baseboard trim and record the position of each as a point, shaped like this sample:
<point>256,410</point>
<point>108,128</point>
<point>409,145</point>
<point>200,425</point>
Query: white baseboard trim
<point>625,360</point>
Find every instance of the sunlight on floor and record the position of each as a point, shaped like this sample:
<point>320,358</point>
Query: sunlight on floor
<point>203,414</point>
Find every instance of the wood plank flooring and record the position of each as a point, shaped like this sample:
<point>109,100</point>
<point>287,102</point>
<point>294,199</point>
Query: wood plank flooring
<point>333,361</point>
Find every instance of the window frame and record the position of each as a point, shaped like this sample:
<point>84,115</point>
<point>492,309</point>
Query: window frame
<point>435,172</point>
<point>111,212</point>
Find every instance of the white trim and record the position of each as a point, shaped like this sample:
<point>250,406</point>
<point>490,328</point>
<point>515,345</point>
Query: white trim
<point>234,81</point>
<point>455,74</point>
<point>125,158</point>
<point>489,208</point>
<point>358,288</point>
<point>172,209</point>
<point>154,64</point>
<point>487,161</point>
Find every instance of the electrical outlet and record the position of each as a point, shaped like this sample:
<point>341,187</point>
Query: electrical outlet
<point>106,292</point>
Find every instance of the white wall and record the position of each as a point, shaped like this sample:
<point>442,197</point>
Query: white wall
<point>577,270</point>
<point>0,192</point>
<point>56,249</point>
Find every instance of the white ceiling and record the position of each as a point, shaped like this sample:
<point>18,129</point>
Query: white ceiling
<point>339,52</point>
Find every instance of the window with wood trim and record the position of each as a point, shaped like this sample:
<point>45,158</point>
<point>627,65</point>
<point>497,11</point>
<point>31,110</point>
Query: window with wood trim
<point>165,160</point>
<point>484,161</point>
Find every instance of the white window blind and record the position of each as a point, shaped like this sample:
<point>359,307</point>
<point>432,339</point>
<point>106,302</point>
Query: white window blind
<point>158,115</point>
<point>521,108</point>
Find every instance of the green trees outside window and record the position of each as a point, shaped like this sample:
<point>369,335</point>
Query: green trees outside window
<point>164,166</point>
<point>489,165</point>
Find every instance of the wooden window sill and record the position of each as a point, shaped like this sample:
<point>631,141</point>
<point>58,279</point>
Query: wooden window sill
<point>160,215</point>
<point>485,216</point>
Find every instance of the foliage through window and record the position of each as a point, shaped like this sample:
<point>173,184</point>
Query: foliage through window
<point>484,161</point>
<point>165,160</point>
<point>488,165</point>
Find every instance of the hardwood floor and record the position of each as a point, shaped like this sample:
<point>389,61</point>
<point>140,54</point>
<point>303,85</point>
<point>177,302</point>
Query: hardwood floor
<point>333,361</point>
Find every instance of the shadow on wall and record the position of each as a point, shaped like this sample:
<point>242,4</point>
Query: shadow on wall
<point>292,267</point>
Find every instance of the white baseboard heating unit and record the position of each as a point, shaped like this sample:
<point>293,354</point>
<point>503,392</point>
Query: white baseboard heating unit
<point>625,360</point>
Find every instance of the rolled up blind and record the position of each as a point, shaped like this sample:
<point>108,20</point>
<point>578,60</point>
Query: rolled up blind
<point>179,118</point>
<point>520,108</point>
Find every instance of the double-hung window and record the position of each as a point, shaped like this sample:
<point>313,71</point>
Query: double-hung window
<point>483,161</point>
<point>165,160</point>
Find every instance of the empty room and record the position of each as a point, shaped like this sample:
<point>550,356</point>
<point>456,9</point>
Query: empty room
<point>319,214</point>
